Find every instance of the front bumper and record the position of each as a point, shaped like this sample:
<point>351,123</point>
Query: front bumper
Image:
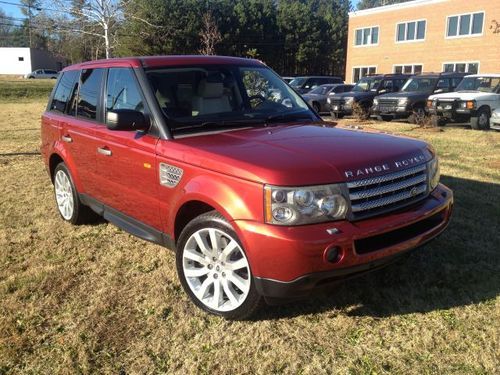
<point>453,114</point>
<point>396,112</point>
<point>292,261</point>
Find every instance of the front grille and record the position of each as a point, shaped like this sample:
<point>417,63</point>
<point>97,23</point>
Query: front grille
<point>376,195</point>
<point>446,105</point>
<point>387,105</point>
<point>338,102</point>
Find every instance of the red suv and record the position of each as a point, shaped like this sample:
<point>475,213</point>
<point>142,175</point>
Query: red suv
<point>219,159</point>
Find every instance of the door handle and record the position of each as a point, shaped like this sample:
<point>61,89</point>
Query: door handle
<point>67,139</point>
<point>104,151</point>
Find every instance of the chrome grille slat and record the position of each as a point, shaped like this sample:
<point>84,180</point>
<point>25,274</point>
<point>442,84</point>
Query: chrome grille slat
<point>375,195</point>
<point>388,188</point>
<point>368,205</point>
<point>386,177</point>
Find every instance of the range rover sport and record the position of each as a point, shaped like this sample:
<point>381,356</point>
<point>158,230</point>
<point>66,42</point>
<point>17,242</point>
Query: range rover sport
<point>259,199</point>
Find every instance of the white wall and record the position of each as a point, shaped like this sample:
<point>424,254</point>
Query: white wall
<point>9,60</point>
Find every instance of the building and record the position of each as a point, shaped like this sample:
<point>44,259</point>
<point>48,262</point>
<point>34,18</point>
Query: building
<point>21,61</point>
<point>425,35</point>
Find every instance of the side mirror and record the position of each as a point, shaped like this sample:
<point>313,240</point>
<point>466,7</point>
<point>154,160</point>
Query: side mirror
<point>125,119</point>
<point>383,91</point>
<point>438,91</point>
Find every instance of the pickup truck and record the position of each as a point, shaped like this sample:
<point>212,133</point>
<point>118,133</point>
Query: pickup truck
<point>259,198</point>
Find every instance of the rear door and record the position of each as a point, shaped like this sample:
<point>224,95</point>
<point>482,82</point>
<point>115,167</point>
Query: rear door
<point>78,127</point>
<point>126,171</point>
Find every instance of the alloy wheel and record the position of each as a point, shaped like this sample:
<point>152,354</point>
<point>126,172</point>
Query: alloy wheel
<point>216,269</point>
<point>64,195</point>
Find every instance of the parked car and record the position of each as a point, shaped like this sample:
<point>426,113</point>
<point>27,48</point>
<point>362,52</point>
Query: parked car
<point>474,101</point>
<point>410,102</point>
<point>287,79</point>
<point>180,151</point>
<point>317,98</point>
<point>43,74</point>
<point>495,119</point>
<point>305,84</point>
<point>364,92</point>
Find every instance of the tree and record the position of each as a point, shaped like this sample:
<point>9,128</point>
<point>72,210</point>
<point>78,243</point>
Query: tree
<point>209,35</point>
<point>366,4</point>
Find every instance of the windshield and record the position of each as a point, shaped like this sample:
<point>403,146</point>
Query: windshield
<point>213,95</point>
<point>482,84</point>
<point>321,90</point>
<point>419,85</point>
<point>367,84</point>
<point>297,82</point>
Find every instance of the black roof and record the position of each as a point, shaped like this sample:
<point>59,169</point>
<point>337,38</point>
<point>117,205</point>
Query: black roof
<point>442,74</point>
<point>388,75</point>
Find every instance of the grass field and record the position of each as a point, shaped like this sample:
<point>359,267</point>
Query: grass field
<point>93,299</point>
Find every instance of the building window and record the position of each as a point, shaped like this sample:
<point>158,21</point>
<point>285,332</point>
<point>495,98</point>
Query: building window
<point>408,69</point>
<point>410,31</point>
<point>361,71</point>
<point>367,36</point>
<point>462,67</point>
<point>465,25</point>
<point>20,58</point>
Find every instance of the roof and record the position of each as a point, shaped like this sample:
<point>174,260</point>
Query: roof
<point>393,7</point>
<point>160,61</point>
<point>492,75</point>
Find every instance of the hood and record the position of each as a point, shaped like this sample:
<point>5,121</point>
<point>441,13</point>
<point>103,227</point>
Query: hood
<point>464,95</point>
<point>308,97</point>
<point>409,95</point>
<point>298,154</point>
<point>357,95</point>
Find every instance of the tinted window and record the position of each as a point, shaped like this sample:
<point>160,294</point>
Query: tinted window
<point>65,88</point>
<point>421,30</point>
<point>452,26</point>
<point>464,24</point>
<point>401,32</point>
<point>122,91</point>
<point>90,87</point>
<point>477,23</point>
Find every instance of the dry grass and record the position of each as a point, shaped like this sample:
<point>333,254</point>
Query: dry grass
<point>93,299</point>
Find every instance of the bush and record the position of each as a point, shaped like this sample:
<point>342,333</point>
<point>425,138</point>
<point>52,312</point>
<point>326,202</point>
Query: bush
<point>360,112</point>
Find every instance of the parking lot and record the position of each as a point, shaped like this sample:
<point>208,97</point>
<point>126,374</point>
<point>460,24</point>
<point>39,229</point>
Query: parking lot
<point>94,299</point>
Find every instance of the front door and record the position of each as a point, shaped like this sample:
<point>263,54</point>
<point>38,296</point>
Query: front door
<point>126,172</point>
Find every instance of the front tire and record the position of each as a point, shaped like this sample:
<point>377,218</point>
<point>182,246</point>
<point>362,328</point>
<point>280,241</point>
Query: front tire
<point>482,121</point>
<point>68,203</point>
<point>214,269</point>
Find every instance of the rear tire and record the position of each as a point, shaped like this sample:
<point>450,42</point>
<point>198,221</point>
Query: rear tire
<point>482,121</point>
<point>214,270</point>
<point>68,203</point>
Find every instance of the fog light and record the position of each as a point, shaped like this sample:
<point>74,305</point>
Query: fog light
<point>332,254</point>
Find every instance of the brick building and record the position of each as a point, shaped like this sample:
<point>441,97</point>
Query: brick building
<point>425,35</point>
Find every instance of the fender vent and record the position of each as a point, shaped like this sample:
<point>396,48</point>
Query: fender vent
<point>170,175</point>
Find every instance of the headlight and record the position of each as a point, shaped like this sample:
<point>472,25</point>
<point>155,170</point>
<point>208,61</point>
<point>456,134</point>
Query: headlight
<point>375,101</point>
<point>403,101</point>
<point>349,100</point>
<point>433,170</point>
<point>329,100</point>
<point>469,104</point>
<point>304,205</point>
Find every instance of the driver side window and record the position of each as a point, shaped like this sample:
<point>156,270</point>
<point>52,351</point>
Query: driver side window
<point>258,88</point>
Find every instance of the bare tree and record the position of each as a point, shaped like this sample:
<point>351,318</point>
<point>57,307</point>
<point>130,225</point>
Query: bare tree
<point>99,18</point>
<point>209,35</point>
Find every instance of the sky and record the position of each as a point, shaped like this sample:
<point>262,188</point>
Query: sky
<point>14,11</point>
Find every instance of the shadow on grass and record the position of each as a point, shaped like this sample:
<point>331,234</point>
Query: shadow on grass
<point>459,268</point>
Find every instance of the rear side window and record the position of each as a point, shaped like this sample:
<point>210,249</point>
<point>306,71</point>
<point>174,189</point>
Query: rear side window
<point>65,88</point>
<point>90,88</point>
<point>122,91</point>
